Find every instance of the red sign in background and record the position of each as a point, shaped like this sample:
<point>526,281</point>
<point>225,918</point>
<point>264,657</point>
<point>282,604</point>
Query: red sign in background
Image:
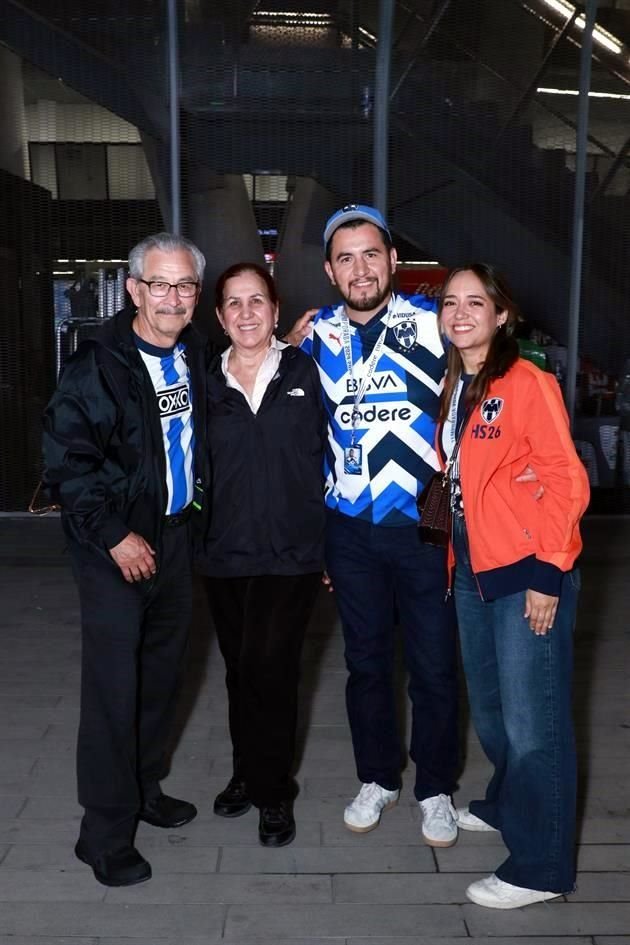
<point>416,280</point>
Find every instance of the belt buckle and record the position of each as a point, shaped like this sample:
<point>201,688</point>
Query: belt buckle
<point>179,518</point>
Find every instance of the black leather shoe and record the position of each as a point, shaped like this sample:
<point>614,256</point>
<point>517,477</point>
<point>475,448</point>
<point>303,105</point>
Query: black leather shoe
<point>165,811</point>
<point>233,800</point>
<point>125,867</point>
<point>276,827</point>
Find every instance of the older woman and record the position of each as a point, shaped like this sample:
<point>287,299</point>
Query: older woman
<point>263,551</point>
<point>515,585</point>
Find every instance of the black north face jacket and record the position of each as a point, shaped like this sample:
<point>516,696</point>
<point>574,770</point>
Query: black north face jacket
<point>103,447</point>
<point>266,509</point>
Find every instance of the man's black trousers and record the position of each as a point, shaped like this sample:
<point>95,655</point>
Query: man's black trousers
<point>134,639</point>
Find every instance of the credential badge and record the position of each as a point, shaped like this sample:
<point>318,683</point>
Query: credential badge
<point>406,334</point>
<point>491,408</point>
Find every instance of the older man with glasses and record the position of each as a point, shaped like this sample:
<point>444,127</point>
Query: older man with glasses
<point>124,458</point>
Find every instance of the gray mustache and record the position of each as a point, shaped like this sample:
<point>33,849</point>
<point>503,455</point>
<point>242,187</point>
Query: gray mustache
<point>172,310</point>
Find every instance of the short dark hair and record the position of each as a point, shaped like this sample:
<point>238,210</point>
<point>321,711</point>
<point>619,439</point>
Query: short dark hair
<point>237,270</point>
<point>352,225</point>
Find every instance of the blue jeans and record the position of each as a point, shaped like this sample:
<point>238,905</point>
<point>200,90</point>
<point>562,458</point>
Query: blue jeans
<point>379,572</point>
<point>519,688</point>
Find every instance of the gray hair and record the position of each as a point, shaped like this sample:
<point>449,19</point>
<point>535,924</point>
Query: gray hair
<point>166,243</point>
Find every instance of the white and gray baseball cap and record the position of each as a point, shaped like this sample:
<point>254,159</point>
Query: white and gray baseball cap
<point>354,211</point>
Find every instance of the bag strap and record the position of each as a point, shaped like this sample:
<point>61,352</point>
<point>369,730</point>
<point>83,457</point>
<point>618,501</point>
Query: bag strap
<point>37,508</point>
<point>450,461</point>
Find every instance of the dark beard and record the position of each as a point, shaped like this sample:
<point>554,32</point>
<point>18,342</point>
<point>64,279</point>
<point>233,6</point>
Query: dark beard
<point>367,303</point>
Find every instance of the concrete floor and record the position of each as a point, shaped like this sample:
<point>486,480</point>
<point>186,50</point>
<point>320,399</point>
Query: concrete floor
<point>212,882</point>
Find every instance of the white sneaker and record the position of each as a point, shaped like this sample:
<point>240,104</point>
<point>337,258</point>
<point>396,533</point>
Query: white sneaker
<point>439,824</point>
<point>493,893</point>
<point>364,812</point>
<point>468,821</point>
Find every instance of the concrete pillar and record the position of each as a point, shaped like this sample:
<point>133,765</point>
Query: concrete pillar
<point>299,269</point>
<point>221,222</point>
<point>156,153</point>
<point>13,140</point>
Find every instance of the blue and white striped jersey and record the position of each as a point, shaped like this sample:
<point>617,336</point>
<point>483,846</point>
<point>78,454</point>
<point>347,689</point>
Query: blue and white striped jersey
<point>396,428</point>
<point>171,380</point>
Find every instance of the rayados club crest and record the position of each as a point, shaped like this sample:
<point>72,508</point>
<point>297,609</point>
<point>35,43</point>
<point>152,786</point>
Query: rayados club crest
<point>406,334</point>
<point>491,408</point>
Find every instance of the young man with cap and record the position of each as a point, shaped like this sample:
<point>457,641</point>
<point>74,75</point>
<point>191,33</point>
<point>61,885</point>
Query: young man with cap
<point>381,364</point>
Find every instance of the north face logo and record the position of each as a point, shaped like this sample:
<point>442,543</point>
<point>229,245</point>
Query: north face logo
<point>173,401</point>
<point>491,408</point>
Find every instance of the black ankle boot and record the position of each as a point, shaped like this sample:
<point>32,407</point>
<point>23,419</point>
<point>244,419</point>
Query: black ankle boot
<point>276,827</point>
<point>233,800</point>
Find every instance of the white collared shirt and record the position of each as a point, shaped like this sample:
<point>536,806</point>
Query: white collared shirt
<point>266,372</point>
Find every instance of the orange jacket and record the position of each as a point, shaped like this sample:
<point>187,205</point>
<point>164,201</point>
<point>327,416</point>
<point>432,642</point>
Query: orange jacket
<point>513,538</point>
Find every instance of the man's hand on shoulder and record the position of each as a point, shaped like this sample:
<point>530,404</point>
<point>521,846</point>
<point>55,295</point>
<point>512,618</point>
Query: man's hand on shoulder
<point>135,558</point>
<point>301,329</point>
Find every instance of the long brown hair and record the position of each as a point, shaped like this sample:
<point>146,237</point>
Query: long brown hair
<point>503,350</point>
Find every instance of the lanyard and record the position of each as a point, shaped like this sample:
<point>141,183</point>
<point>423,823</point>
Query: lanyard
<point>451,470</point>
<point>370,368</point>
<point>450,425</point>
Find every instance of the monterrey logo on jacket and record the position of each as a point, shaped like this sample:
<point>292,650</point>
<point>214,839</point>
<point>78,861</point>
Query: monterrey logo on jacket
<point>491,408</point>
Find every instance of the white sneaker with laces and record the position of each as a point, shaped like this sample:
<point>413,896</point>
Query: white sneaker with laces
<point>468,821</point>
<point>364,812</point>
<point>439,824</point>
<point>493,893</point>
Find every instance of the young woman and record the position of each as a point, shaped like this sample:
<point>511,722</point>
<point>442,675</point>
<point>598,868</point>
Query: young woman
<point>263,553</point>
<point>515,584</point>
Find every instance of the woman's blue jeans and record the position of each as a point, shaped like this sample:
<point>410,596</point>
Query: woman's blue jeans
<point>519,688</point>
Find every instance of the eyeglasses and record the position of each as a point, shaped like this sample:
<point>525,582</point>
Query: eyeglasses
<point>159,290</point>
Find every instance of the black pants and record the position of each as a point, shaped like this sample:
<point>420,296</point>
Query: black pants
<point>260,624</point>
<point>134,639</point>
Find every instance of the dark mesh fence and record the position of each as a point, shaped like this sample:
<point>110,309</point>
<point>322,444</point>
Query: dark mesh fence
<point>277,116</point>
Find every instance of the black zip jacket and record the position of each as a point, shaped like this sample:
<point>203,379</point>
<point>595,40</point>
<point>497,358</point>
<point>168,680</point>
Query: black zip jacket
<point>267,491</point>
<point>103,447</point>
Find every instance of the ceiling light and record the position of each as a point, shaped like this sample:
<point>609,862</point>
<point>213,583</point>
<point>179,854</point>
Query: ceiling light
<point>566,9</point>
<point>600,35</point>
<point>613,95</point>
<point>293,13</point>
<point>292,18</point>
<point>368,34</point>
